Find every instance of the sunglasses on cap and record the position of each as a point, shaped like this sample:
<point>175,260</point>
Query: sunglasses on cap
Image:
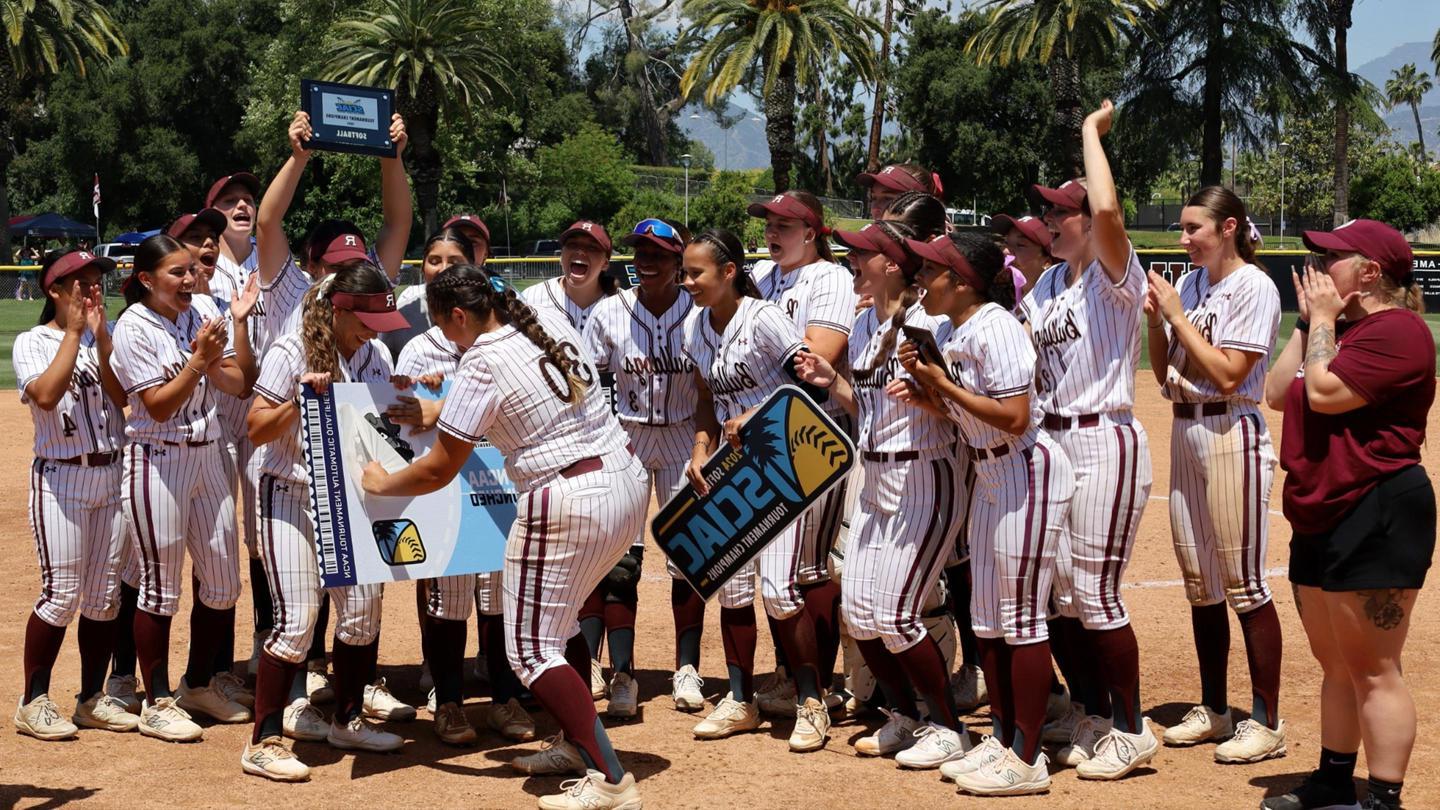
<point>655,227</point>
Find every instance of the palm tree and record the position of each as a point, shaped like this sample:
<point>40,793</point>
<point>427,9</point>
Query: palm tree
<point>877,110</point>
<point>791,39</point>
<point>42,39</point>
<point>436,56</point>
<point>1407,86</point>
<point>1068,36</point>
<point>1329,23</point>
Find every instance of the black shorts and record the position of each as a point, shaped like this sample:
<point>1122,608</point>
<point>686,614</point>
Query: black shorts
<point>1386,541</point>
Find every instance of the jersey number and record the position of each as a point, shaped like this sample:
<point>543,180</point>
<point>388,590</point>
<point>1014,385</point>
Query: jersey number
<point>69,424</point>
<point>554,375</point>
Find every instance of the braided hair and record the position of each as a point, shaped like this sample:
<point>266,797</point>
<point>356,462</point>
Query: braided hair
<point>725,248</point>
<point>317,318</point>
<point>897,231</point>
<point>923,213</point>
<point>986,255</point>
<point>474,290</point>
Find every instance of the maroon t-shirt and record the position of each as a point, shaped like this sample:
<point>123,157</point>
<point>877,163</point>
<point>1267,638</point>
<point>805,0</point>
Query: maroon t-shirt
<point>1388,359</point>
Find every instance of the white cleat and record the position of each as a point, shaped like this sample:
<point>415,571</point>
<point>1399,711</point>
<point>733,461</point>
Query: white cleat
<point>624,696</point>
<point>105,713</point>
<point>233,689</point>
<point>317,683</point>
<point>895,736</point>
<point>934,746</point>
<point>597,680</point>
<point>358,735</point>
<point>211,702</point>
<point>967,686</point>
<point>1199,725</point>
<point>1083,738</point>
<point>272,760</point>
<point>381,705</point>
<point>592,792</point>
<point>812,727</point>
<point>556,756</point>
<point>164,720</point>
<point>1059,731</point>
<point>123,688</point>
<point>1006,775</point>
<point>302,721</point>
<point>989,750</point>
<point>688,689</point>
<point>510,719</point>
<point>40,718</point>
<point>1253,742</point>
<point>1118,753</point>
<point>729,717</point>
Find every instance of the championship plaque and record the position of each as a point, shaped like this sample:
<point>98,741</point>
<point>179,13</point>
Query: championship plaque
<point>348,118</point>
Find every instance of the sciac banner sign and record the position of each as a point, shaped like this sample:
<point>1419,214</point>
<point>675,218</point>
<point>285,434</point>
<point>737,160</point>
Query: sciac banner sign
<point>791,454</point>
<point>362,538</point>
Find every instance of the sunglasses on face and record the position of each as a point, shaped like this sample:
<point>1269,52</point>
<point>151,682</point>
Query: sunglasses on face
<point>1322,262</point>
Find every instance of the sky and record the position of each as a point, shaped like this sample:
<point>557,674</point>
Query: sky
<point>1380,25</point>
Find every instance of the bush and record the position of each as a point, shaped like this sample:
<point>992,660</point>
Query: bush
<point>646,203</point>
<point>1396,190</point>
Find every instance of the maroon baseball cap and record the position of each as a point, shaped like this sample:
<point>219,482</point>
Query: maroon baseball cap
<point>245,179</point>
<point>594,230</point>
<point>1031,227</point>
<point>73,262</point>
<point>784,205</point>
<point>343,248</point>
<point>1374,240</point>
<point>893,178</point>
<point>209,216</point>
<point>657,232</point>
<point>469,221</point>
<point>873,239</point>
<point>375,310</point>
<point>1070,195</point>
<point>942,250</point>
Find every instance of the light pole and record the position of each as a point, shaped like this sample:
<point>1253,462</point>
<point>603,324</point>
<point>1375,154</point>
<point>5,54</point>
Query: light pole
<point>685,159</point>
<point>1283,147</point>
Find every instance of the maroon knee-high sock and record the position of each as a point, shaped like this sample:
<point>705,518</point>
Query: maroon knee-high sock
<point>925,666</point>
<point>422,594</point>
<point>1119,656</point>
<point>42,647</point>
<point>577,652</point>
<point>482,633</point>
<point>797,637</point>
<point>890,675</point>
<point>1263,648</point>
<point>208,629</point>
<point>738,634</point>
<point>1211,625</point>
<point>504,684</point>
<point>97,643</point>
<point>689,611</point>
<point>567,699</point>
<point>152,648</point>
<point>445,652</point>
<point>272,693</point>
<point>354,665</point>
<point>1030,678</point>
<point>995,666</point>
<point>822,605</point>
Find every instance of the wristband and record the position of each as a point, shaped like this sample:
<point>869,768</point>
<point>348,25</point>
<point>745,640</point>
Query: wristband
<point>1160,325</point>
<point>189,367</point>
<point>1303,325</point>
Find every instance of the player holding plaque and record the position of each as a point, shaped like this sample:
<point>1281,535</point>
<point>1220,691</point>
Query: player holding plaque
<point>349,118</point>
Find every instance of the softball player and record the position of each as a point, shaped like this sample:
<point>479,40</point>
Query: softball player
<point>1208,344</point>
<point>910,511</point>
<point>585,250</point>
<point>582,501</point>
<point>1028,240</point>
<point>342,315</point>
<point>62,367</point>
<point>1085,318</point>
<point>1022,486</point>
<point>234,196</point>
<point>171,348</point>
<point>445,249</point>
<point>474,229</point>
<point>638,336</point>
<point>816,293</point>
<point>895,180</point>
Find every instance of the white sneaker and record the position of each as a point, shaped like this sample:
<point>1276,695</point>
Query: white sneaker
<point>1118,753</point>
<point>1059,731</point>
<point>989,750</point>
<point>302,721</point>
<point>1253,742</point>
<point>510,719</point>
<point>257,645</point>
<point>934,746</point>
<point>430,702</point>
<point>381,705</point>
<point>1057,706</point>
<point>687,692</point>
<point>597,680</point>
<point>1199,725</point>
<point>592,792</point>
<point>123,688</point>
<point>1086,735</point>
<point>557,755</point>
<point>164,720</point>
<point>233,688</point>
<point>1007,775</point>
<point>729,717</point>
<point>967,686</point>
<point>105,713</point>
<point>812,725</point>
<point>209,701</point>
<point>624,696</point>
<point>427,681</point>
<point>40,718</point>
<point>358,735</point>
<point>895,736</point>
<point>777,695</point>
<point>272,760</point>
<point>317,683</point>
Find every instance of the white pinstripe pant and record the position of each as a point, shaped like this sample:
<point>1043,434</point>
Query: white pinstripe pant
<point>896,553</point>
<point>246,464</point>
<point>79,539</point>
<point>1112,485</point>
<point>178,498</point>
<point>567,535</point>
<point>1017,513</point>
<point>450,598</point>
<point>287,541</point>
<point>1221,468</point>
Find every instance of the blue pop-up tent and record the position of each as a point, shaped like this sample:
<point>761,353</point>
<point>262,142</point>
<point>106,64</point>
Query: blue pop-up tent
<point>134,237</point>
<point>52,226</point>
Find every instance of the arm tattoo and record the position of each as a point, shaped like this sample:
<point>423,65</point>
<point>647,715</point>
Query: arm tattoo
<point>1383,607</point>
<point>1321,346</point>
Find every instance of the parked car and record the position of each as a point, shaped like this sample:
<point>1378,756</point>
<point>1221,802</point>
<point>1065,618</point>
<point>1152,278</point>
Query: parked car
<point>121,253</point>
<point>543,247</point>
<point>967,216</point>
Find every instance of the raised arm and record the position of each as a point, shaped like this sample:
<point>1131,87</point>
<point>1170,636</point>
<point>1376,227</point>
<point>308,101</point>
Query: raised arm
<point>395,201</point>
<point>1107,216</point>
<point>270,241</point>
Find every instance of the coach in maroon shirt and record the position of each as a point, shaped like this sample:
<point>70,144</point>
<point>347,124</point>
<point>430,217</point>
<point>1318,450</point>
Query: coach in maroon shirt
<point>1356,383</point>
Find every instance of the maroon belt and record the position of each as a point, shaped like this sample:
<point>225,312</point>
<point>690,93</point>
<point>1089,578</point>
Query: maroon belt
<point>1195,410</point>
<point>903,455</point>
<point>1056,422</point>
<point>981,453</point>
<point>188,443</point>
<point>584,465</point>
<point>90,459</point>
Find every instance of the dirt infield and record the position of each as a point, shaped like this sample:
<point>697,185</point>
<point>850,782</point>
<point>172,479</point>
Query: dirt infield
<point>751,771</point>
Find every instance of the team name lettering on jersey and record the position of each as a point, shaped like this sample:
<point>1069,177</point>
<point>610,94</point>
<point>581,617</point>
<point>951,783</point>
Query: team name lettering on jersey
<point>1059,333</point>
<point>877,377</point>
<point>727,381</point>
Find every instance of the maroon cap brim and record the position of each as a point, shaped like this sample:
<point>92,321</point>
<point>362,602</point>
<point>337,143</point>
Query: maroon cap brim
<point>787,207</point>
<point>602,239</point>
<point>926,251</point>
<point>391,321</point>
<point>245,179</point>
<point>634,239</point>
<point>59,271</point>
<point>895,181</point>
<point>1322,241</point>
<point>347,254</point>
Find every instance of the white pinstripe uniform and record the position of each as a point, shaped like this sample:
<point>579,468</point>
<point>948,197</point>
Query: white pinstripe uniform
<point>654,383</point>
<point>287,532</point>
<point>742,367</point>
<point>1222,464</point>
<point>175,489</point>
<point>1022,484</point>
<point>821,294</point>
<point>279,307</point>
<point>572,525</point>
<point>447,598</point>
<point>74,507</point>
<point>229,279</point>
<point>1088,337</point>
<point>549,296</point>
<point>912,507</point>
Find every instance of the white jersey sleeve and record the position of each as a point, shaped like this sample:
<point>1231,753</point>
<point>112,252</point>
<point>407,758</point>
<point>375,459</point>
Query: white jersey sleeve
<point>990,355</point>
<point>429,353</point>
<point>1253,319</point>
<point>278,302</point>
<point>150,350</point>
<point>85,420</point>
<point>1241,312</point>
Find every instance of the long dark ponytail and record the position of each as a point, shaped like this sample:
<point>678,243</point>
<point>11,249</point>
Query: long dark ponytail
<point>898,231</point>
<point>148,257</point>
<point>725,248</point>
<point>986,255</point>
